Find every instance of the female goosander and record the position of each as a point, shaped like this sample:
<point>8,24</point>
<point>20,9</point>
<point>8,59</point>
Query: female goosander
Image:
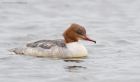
<point>67,48</point>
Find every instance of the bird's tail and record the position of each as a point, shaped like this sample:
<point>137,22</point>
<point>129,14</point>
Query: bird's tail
<point>17,50</point>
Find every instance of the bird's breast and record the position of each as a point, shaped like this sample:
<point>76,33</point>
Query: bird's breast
<point>76,50</point>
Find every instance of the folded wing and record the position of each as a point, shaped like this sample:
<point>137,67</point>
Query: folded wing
<point>47,44</point>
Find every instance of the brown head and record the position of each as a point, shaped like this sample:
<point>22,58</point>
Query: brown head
<point>76,32</point>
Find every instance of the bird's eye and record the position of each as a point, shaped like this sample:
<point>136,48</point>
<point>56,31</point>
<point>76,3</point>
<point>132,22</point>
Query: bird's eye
<point>80,32</point>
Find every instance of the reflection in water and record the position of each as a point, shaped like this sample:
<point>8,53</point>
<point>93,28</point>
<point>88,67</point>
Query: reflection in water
<point>77,60</point>
<point>74,68</point>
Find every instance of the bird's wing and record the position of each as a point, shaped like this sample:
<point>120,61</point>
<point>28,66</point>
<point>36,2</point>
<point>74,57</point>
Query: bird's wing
<point>47,44</point>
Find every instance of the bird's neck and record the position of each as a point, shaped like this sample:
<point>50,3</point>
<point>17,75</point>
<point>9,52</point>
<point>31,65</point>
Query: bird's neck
<point>70,40</point>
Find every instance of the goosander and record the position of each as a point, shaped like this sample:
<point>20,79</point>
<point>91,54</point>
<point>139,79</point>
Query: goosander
<point>67,48</point>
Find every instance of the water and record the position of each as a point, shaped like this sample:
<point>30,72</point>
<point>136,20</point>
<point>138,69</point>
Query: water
<point>114,24</point>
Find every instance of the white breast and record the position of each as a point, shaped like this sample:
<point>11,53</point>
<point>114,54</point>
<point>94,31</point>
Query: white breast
<point>76,50</point>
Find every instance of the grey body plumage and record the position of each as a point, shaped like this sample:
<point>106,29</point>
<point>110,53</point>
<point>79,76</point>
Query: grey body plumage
<point>47,44</point>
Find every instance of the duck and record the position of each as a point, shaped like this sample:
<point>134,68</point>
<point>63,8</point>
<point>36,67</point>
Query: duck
<point>69,47</point>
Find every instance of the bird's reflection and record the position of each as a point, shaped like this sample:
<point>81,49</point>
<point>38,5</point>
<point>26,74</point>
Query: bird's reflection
<point>74,68</point>
<point>77,60</point>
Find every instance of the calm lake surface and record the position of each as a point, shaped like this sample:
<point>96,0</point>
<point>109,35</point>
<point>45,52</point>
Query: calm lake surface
<point>114,24</point>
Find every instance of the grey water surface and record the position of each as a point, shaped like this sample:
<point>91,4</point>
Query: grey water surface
<point>114,24</point>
